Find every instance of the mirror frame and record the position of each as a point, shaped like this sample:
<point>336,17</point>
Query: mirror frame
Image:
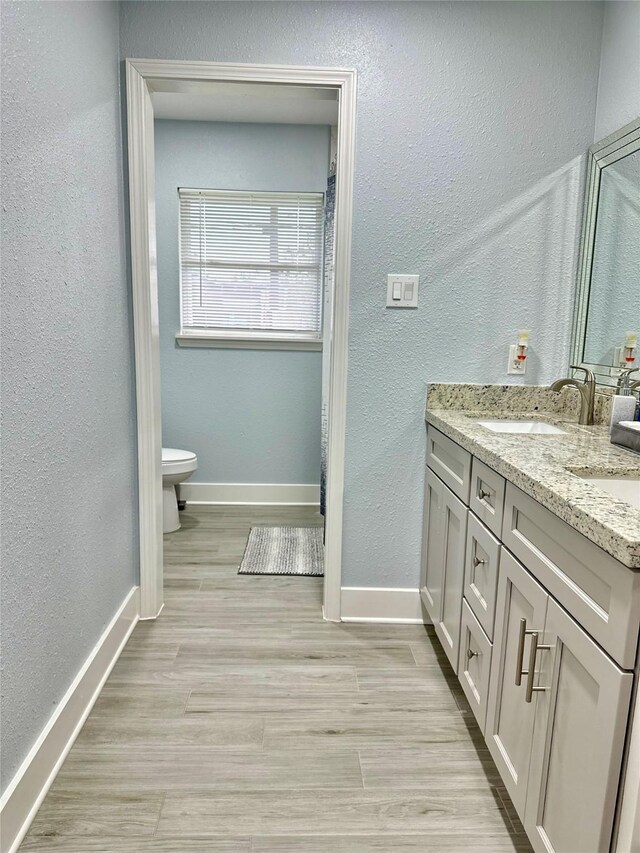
<point>620,144</point>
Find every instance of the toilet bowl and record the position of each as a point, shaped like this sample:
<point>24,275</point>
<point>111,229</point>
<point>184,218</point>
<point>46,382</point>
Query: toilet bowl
<point>177,466</point>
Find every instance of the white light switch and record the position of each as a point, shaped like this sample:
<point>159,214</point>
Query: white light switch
<point>402,291</point>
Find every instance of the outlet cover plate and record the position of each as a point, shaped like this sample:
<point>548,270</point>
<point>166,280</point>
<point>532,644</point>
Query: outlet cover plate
<point>515,364</point>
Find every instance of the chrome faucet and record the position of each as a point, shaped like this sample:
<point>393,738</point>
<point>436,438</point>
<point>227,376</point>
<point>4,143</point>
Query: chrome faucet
<point>587,390</point>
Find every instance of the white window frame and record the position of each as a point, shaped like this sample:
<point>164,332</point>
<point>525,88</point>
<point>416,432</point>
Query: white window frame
<point>246,338</point>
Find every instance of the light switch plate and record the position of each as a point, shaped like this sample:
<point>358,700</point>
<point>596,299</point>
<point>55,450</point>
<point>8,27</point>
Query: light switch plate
<point>402,291</point>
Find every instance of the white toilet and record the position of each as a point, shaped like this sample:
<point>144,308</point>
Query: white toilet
<point>177,466</point>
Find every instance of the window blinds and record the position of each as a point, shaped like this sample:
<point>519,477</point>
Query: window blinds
<point>251,262</point>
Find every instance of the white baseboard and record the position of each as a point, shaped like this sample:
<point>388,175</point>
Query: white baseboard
<point>292,494</point>
<point>380,604</point>
<point>28,788</point>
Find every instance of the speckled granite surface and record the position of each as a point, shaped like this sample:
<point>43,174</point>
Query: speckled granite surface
<point>545,466</point>
<point>511,399</point>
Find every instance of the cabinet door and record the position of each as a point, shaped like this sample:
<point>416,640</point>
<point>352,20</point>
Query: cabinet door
<point>454,535</point>
<point>475,664</point>
<point>481,573</point>
<point>431,581</point>
<point>510,720</point>
<point>581,715</point>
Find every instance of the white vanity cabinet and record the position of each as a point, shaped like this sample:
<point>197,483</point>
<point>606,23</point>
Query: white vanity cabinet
<point>556,721</point>
<point>581,713</point>
<point>459,551</point>
<point>453,558</point>
<point>545,625</point>
<point>445,530</point>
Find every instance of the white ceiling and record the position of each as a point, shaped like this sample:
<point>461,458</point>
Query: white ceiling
<point>247,102</point>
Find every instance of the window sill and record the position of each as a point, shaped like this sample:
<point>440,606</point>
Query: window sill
<point>218,341</point>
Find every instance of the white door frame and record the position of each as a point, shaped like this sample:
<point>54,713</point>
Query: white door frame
<point>144,76</point>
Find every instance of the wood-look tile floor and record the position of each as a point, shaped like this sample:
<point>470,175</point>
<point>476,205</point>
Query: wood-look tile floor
<point>240,721</point>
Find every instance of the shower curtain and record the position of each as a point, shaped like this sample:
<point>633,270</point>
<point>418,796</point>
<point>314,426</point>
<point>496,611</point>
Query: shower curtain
<point>329,212</point>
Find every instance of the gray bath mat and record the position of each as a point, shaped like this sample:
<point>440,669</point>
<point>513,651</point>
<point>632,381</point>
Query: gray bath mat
<point>284,551</point>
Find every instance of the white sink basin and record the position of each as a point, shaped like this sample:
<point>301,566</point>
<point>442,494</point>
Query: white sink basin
<point>624,488</point>
<point>527,427</point>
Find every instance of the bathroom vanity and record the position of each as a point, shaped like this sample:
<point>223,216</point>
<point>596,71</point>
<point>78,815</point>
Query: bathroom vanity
<point>531,577</point>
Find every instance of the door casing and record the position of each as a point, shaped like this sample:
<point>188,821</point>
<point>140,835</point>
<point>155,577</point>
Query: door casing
<point>143,77</point>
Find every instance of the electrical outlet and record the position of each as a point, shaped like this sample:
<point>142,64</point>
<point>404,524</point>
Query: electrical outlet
<point>516,365</point>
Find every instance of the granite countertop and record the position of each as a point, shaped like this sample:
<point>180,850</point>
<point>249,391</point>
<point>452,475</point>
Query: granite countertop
<point>546,466</point>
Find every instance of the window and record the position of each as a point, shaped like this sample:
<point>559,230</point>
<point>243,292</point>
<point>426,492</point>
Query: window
<point>251,266</point>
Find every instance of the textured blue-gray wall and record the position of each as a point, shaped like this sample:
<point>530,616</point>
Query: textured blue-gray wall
<point>470,120</point>
<point>252,416</point>
<point>619,80</point>
<point>69,505</point>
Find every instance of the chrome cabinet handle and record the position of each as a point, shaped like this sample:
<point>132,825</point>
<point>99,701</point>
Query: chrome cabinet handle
<point>483,495</point>
<point>533,651</point>
<point>520,656</point>
<point>531,672</point>
<point>471,654</point>
<point>478,562</point>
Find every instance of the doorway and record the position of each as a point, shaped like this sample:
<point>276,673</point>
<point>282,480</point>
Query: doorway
<point>149,78</point>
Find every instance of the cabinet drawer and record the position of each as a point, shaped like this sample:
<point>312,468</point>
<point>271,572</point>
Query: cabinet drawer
<point>474,665</point>
<point>598,591</point>
<point>450,462</point>
<point>481,573</point>
<point>487,496</point>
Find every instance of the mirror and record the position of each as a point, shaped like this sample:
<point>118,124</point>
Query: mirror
<point>607,313</point>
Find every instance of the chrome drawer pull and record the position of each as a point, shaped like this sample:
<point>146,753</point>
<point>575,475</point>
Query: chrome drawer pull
<point>483,495</point>
<point>520,656</point>
<point>522,633</point>
<point>531,672</point>
<point>478,562</point>
<point>472,654</point>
